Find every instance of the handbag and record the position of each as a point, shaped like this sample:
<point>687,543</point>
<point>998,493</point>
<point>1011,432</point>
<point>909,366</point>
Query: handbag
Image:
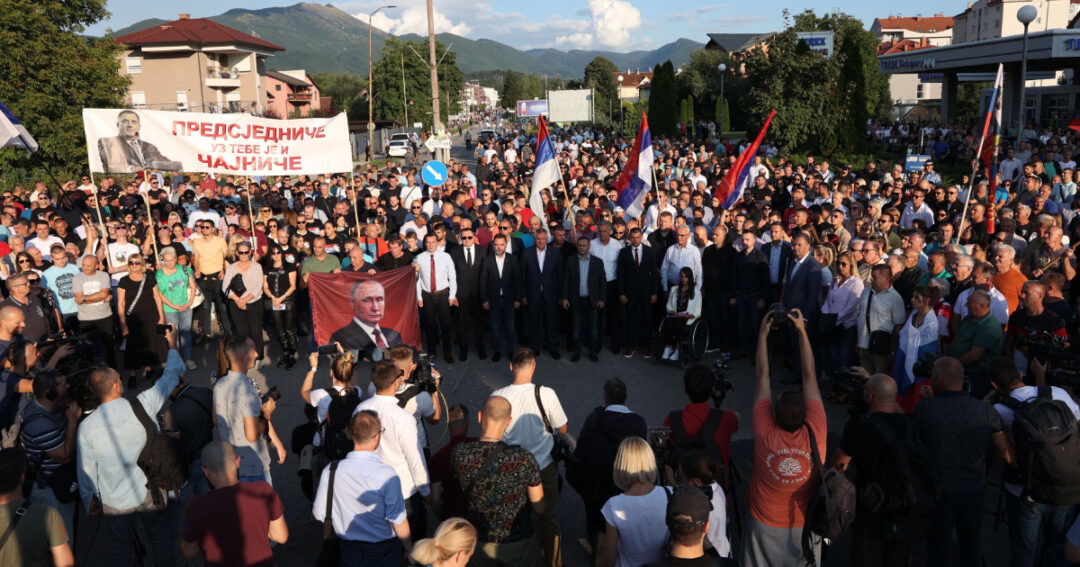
<point>560,448</point>
<point>330,553</point>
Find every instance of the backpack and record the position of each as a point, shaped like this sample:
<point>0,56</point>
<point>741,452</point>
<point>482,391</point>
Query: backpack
<point>705,440</point>
<point>160,459</point>
<point>904,498</point>
<point>335,440</point>
<point>832,506</point>
<point>1048,445</point>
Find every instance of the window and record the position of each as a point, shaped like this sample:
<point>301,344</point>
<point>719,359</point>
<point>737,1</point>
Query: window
<point>919,91</point>
<point>181,100</point>
<point>138,99</point>
<point>134,65</point>
<point>277,88</point>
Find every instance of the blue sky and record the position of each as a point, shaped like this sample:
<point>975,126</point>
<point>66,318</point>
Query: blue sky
<point>616,25</point>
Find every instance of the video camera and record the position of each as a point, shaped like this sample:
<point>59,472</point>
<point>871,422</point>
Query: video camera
<point>1063,365</point>
<point>780,316</point>
<point>422,377</point>
<point>75,368</point>
<point>721,383</point>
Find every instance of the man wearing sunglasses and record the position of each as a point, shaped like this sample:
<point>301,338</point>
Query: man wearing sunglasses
<point>208,259</point>
<point>23,296</point>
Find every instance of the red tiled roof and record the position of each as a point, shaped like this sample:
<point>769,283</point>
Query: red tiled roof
<point>917,24</point>
<point>901,46</point>
<point>633,79</point>
<point>198,31</point>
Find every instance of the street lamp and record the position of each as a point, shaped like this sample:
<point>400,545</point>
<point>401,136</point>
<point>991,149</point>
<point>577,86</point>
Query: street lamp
<point>1025,15</point>
<point>370,86</point>
<point>721,67</point>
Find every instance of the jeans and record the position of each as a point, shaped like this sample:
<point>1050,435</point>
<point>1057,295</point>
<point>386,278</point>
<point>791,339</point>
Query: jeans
<point>1027,520</point>
<point>181,320</point>
<point>248,323</point>
<point>388,553</point>
<point>119,530</point>
<point>550,533</point>
<point>213,298</point>
<point>841,350</point>
<point>962,511</point>
<point>103,334</point>
<point>45,495</point>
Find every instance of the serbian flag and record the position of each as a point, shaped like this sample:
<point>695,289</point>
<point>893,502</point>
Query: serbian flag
<point>546,173</point>
<point>12,133</point>
<point>636,179</point>
<point>991,139</point>
<point>737,178</point>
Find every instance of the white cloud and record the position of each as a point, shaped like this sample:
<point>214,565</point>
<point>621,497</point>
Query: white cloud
<point>414,20</point>
<point>574,41</point>
<point>613,21</point>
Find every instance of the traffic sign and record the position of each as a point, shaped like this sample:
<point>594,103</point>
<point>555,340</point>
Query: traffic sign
<point>434,143</point>
<point>434,173</point>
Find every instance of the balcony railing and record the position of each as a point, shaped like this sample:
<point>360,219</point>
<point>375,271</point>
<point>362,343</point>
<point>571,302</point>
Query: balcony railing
<point>299,97</point>
<point>222,73</point>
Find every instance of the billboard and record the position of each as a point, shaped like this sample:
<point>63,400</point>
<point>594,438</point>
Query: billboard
<point>128,141</point>
<point>570,105</point>
<point>818,41</point>
<point>526,108</point>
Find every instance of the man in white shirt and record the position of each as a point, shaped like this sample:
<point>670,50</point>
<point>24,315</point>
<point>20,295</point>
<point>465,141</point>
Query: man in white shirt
<point>399,446</point>
<point>652,214</point>
<point>204,213</point>
<point>43,240</point>
<point>436,292</point>
<point>681,254</point>
<point>917,209</point>
<point>530,428</point>
<point>119,252</point>
<point>607,249</point>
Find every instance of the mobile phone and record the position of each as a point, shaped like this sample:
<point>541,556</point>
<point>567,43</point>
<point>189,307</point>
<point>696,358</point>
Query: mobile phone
<point>161,329</point>
<point>327,349</point>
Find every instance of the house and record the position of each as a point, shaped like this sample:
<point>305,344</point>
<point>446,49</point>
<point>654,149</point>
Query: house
<point>736,43</point>
<point>937,30</point>
<point>634,86</point>
<point>292,94</point>
<point>195,65</point>
<point>901,34</point>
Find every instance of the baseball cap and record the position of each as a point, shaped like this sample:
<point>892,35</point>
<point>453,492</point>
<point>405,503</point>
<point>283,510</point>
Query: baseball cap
<point>688,501</point>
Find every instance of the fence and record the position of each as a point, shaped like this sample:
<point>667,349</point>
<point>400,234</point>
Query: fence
<point>379,139</point>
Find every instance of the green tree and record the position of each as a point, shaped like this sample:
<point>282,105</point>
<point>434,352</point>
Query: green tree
<point>49,72</point>
<point>513,90</point>
<point>600,77</point>
<point>662,97</point>
<point>722,116</point>
<point>344,88</point>
<point>389,82</point>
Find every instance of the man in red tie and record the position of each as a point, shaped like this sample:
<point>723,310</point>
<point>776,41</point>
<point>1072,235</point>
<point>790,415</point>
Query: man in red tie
<point>436,291</point>
<point>365,331</point>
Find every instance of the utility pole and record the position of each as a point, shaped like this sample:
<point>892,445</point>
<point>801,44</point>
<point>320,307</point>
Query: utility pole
<point>404,97</point>
<point>370,85</point>
<point>436,119</point>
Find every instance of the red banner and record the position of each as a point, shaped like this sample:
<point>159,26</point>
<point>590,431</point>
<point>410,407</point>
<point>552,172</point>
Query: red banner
<point>363,311</point>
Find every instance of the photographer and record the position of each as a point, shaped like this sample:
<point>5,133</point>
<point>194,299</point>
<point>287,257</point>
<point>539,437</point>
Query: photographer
<point>416,394</point>
<point>700,424</point>
<point>1032,319</point>
<point>47,431</point>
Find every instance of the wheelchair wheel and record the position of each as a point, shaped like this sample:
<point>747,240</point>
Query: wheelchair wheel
<point>698,340</point>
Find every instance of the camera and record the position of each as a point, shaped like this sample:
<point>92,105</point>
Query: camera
<point>422,377</point>
<point>721,383</point>
<point>329,349</point>
<point>779,316</point>
<point>271,394</point>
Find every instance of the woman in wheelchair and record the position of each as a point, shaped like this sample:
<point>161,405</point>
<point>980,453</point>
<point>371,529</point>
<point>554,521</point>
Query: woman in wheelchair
<point>683,307</point>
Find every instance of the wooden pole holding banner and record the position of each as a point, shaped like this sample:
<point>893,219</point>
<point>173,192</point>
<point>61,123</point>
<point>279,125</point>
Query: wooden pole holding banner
<point>150,218</point>
<point>102,235</point>
<point>356,208</point>
<point>251,224</point>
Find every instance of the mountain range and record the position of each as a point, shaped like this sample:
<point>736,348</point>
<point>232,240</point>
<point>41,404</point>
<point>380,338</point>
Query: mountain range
<point>322,38</point>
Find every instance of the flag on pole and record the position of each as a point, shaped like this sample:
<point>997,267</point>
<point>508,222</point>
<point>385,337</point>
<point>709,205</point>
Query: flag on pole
<point>737,178</point>
<point>12,133</point>
<point>991,138</point>
<point>636,178</point>
<point>546,173</point>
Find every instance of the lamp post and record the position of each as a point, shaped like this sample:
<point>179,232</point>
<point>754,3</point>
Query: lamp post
<point>370,86</point>
<point>721,67</point>
<point>1026,15</point>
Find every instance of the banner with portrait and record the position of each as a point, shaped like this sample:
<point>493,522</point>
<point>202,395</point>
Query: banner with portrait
<point>129,141</point>
<point>365,312</point>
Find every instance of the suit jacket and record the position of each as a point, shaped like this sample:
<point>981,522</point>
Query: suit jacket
<point>468,277</point>
<point>785,258</point>
<point>543,284</point>
<point>597,280</point>
<point>637,281</point>
<point>118,157</point>
<point>803,289</point>
<point>351,336</point>
<point>501,290</point>
<point>515,245</point>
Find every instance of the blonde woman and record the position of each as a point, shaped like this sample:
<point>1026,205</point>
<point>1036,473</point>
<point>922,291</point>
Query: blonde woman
<point>452,546</point>
<point>636,532</point>
<point>140,310</point>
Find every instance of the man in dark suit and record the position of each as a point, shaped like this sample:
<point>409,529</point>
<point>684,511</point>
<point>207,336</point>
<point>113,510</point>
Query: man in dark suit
<point>543,275</point>
<point>501,292</point>
<point>515,245</point>
<point>638,281</point>
<point>778,254</point>
<point>364,332</point>
<point>802,288</point>
<point>127,153</point>
<point>469,260</point>
<point>584,293</point>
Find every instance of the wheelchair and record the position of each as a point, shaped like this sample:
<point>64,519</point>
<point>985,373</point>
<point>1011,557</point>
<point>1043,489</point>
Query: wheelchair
<point>691,347</point>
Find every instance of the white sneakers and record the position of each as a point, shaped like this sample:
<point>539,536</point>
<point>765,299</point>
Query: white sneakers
<point>670,354</point>
<point>191,365</point>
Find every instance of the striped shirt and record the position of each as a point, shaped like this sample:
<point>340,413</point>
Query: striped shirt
<point>42,432</point>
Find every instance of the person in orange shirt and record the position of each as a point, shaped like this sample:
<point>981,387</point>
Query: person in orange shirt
<point>783,479</point>
<point>1009,280</point>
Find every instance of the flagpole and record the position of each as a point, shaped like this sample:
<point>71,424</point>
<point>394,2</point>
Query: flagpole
<point>998,88</point>
<point>150,217</point>
<point>102,235</point>
<point>251,223</point>
<point>356,209</point>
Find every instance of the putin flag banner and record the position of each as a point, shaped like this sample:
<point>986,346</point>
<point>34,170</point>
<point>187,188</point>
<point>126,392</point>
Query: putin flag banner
<point>128,141</point>
<point>365,312</point>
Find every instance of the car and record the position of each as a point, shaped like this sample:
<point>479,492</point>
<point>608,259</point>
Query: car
<point>398,145</point>
<point>486,135</point>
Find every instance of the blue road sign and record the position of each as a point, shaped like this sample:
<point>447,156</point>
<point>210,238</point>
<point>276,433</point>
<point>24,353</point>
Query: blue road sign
<point>434,173</point>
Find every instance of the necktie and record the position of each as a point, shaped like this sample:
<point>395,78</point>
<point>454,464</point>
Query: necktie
<point>433,288</point>
<point>637,261</point>
<point>379,340</point>
<point>468,256</point>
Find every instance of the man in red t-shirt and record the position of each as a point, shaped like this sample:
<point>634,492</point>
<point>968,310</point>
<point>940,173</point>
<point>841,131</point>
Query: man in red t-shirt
<point>698,383</point>
<point>234,523</point>
<point>783,478</point>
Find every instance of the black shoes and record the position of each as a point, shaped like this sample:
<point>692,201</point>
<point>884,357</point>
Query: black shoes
<point>495,357</point>
<point>555,355</point>
<point>290,362</point>
<point>463,355</point>
<point>575,357</point>
<point>593,357</point>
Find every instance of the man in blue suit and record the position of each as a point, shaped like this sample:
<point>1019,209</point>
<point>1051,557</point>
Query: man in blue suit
<point>543,273</point>
<point>802,287</point>
<point>778,254</point>
<point>584,293</point>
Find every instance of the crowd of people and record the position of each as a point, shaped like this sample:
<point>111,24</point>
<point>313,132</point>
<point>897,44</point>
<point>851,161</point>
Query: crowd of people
<point>941,313</point>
